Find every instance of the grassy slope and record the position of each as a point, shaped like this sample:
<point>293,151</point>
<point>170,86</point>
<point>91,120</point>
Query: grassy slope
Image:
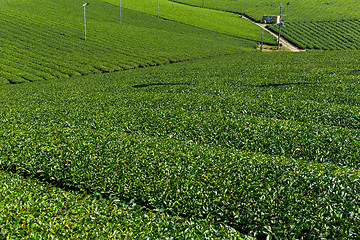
<point>48,43</point>
<point>217,21</point>
<point>333,35</point>
<point>309,24</point>
<point>263,142</point>
<point>268,144</point>
<point>303,10</point>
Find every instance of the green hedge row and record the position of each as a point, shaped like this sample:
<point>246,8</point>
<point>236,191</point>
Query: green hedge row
<point>31,209</point>
<point>326,35</point>
<point>47,44</point>
<point>185,139</point>
<point>293,10</point>
<point>250,192</point>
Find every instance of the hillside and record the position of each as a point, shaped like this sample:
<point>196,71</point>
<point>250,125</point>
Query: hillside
<point>253,144</point>
<point>327,25</point>
<point>43,39</point>
<point>293,10</point>
<point>226,142</point>
<point>218,21</point>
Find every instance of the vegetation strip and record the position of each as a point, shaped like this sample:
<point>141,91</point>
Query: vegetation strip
<point>34,209</point>
<point>43,45</point>
<point>187,139</point>
<point>325,25</point>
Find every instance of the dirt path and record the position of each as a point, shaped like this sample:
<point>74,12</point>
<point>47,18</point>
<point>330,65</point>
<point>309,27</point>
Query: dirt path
<point>284,43</point>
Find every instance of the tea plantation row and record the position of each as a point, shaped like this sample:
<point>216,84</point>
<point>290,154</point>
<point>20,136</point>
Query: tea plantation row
<point>250,192</point>
<point>267,144</point>
<point>327,25</point>
<point>293,10</point>
<point>44,39</point>
<point>218,21</point>
<point>35,210</point>
<point>322,35</point>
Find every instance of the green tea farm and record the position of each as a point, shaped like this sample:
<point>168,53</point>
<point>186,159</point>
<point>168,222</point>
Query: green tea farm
<point>168,122</point>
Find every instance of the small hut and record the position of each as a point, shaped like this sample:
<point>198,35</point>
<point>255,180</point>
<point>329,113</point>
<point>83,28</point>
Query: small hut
<point>273,19</point>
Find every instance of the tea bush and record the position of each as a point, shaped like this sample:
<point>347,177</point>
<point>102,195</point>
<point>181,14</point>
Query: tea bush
<point>31,209</point>
<point>40,40</point>
<point>264,143</point>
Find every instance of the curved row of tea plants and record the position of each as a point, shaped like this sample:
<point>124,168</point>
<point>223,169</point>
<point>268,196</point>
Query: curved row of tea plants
<point>329,35</point>
<point>218,21</point>
<point>32,209</point>
<point>251,192</point>
<point>42,40</point>
<point>189,139</point>
<point>328,25</point>
<point>293,10</point>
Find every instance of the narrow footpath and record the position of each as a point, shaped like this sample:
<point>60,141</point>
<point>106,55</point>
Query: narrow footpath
<point>284,43</point>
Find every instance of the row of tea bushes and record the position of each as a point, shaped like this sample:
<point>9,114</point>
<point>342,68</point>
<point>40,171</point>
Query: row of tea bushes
<point>293,10</point>
<point>326,35</point>
<point>31,209</point>
<point>40,45</point>
<point>250,192</point>
<point>188,140</point>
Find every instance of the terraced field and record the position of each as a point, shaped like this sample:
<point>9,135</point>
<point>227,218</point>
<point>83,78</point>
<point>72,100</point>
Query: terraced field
<point>226,143</point>
<point>298,10</point>
<point>327,25</point>
<point>217,21</point>
<point>334,35</point>
<point>255,144</point>
<point>43,44</point>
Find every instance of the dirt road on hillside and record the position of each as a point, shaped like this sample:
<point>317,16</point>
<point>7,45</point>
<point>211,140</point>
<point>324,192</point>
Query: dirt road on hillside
<point>284,43</point>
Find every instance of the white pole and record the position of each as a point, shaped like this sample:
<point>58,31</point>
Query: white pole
<point>84,20</point>
<point>262,39</point>
<point>120,11</point>
<point>281,6</point>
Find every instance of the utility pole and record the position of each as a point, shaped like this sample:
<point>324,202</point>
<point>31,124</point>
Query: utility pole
<point>242,9</point>
<point>172,3</point>
<point>158,8</point>
<point>84,5</point>
<point>203,3</point>
<point>281,6</point>
<point>262,39</point>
